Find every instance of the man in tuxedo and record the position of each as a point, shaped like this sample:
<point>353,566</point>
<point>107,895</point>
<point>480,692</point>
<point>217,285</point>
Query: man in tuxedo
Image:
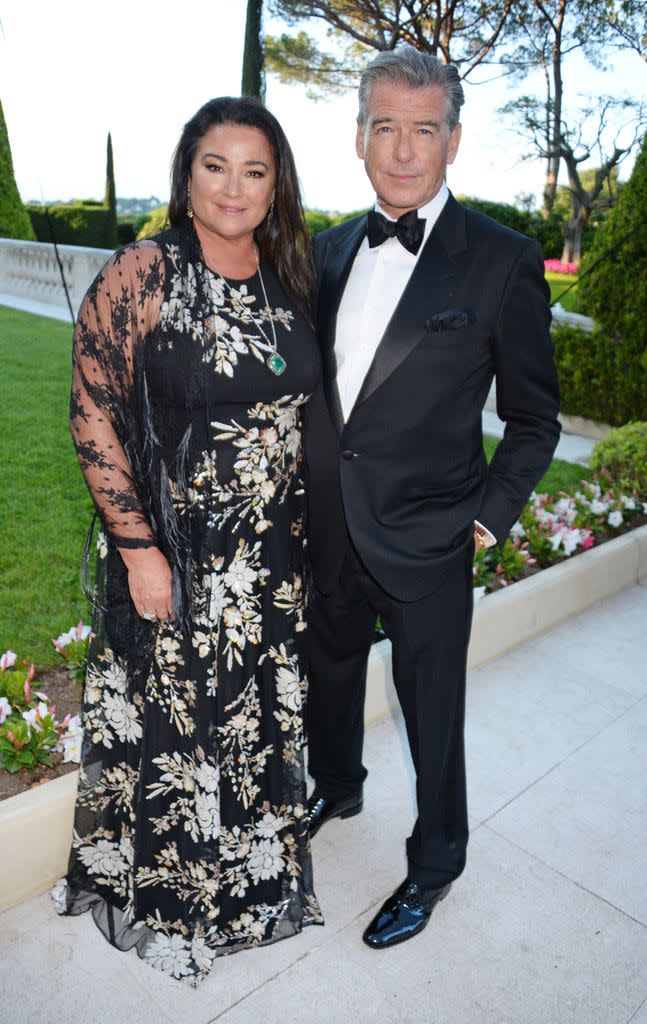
<point>420,304</point>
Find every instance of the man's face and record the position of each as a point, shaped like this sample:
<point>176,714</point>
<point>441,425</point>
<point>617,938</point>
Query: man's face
<point>406,145</point>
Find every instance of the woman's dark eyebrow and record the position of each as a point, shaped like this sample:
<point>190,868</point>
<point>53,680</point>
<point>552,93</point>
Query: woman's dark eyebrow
<point>218,156</point>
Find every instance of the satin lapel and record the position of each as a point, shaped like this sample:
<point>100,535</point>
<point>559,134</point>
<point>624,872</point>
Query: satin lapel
<point>338,261</point>
<point>440,262</point>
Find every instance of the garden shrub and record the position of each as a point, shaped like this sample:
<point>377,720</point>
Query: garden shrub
<point>84,222</point>
<point>623,454</point>
<point>601,377</point>
<point>14,219</point>
<point>549,233</point>
<point>615,294</point>
<point>152,223</point>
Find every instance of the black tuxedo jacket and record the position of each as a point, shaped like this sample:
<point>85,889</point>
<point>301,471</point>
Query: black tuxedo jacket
<point>406,474</point>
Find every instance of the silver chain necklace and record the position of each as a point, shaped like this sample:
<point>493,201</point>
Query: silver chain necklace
<point>275,360</point>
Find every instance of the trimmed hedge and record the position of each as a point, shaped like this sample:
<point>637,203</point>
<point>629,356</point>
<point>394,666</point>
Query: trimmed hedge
<point>601,377</point>
<point>81,223</point>
<point>549,233</point>
<point>623,454</point>
<point>152,223</point>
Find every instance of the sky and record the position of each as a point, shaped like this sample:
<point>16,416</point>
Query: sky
<point>72,71</point>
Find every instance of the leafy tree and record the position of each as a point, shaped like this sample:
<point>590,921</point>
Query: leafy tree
<point>460,32</point>
<point>545,33</point>
<point>14,219</point>
<point>253,81</point>
<point>600,131</point>
<point>110,201</point>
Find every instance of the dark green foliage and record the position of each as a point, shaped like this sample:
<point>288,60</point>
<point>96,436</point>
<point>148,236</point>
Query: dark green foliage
<point>110,201</point>
<point>601,377</point>
<point>14,219</point>
<point>319,220</point>
<point>78,223</point>
<point>126,230</point>
<point>253,80</point>
<point>615,294</point>
<point>549,233</point>
<point>623,454</point>
<point>151,223</point>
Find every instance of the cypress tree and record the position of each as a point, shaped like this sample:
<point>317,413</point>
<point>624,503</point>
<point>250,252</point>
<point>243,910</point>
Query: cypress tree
<point>110,201</point>
<point>14,219</point>
<point>253,82</point>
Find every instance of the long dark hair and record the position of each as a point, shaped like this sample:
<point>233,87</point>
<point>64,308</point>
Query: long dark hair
<point>282,238</point>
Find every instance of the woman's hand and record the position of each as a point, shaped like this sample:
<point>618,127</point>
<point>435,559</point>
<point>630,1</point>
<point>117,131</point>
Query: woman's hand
<point>150,582</point>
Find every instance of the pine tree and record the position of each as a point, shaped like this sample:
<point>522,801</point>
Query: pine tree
<point>253,83</point>
<point>14,219</point>
<point>112,239</point>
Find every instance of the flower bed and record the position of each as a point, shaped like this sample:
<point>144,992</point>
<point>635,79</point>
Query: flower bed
<point>554,527</point>
<point>555,266</point>
<point>36,744</point>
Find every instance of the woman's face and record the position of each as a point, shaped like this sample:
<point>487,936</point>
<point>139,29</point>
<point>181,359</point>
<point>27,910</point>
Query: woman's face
<point>232,180</point>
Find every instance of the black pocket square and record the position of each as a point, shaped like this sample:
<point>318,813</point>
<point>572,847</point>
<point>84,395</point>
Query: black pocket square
<point>450,320</point>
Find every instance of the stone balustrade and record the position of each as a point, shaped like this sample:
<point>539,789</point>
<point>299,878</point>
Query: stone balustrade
<point>30,270</point>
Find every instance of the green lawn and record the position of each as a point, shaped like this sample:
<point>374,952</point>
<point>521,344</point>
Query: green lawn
<point>558,283</point>
<point>560,474</point>
<point>45,508</point>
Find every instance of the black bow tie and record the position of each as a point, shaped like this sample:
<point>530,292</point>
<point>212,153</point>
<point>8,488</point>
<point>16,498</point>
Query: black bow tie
<point>409,229</point>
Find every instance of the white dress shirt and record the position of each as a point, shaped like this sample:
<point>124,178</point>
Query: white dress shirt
<point>375,285</point>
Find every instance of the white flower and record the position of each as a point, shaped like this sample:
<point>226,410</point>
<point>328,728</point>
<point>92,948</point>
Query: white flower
<point>628,503</point>
<point>570,541</point>
<point>207,777</point>
<point>201,953</point>
<point>103,859</point>
<point>288,690</point>
<point>5,709</point>
<point>72,740</point>
<point>215,586</point>
<point>114,676</point>
<point>122,717</point>
<point>517,530</point>
<point>269,825</point>
<point>169,953</point>
<point>240,577</point>
<point>208,814</point>
<point>265,860</point>
<point>598,508</point>
<point>74,634</point>
<point>645,508</point>
<point>32,719</point>
<point>57,895</point>
<point>615,518</point>
<point>8,660</point>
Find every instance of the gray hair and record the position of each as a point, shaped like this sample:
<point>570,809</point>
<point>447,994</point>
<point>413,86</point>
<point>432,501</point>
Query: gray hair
<point>407,66</point>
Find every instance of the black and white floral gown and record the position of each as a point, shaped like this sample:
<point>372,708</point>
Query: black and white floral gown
<point>189,835</point>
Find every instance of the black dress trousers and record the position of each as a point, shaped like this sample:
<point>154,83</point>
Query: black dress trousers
<point>429,640</point>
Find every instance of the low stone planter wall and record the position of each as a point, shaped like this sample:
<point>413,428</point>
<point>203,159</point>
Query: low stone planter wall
<point>36,827</point>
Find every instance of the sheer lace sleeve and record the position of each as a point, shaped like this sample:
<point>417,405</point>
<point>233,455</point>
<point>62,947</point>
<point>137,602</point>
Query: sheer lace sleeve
<point>118,311</point>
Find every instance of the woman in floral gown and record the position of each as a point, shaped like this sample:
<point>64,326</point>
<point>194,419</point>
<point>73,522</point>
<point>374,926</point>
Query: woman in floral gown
<point>193,359</point>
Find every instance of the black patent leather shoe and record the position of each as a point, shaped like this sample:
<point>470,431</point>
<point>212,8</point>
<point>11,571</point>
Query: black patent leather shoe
<point>321,810</point>
<point>404,915</point>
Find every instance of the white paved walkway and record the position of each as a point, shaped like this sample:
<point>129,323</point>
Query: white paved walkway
<point>548,924</point>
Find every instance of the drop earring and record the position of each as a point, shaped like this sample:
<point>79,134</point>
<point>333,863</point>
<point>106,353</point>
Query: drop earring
<point>189,204</point>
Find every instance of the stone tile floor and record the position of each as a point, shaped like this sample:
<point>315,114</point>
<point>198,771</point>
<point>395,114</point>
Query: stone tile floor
<point>548,925</point>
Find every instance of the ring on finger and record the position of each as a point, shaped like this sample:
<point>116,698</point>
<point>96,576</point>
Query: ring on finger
<point>149,616</point>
